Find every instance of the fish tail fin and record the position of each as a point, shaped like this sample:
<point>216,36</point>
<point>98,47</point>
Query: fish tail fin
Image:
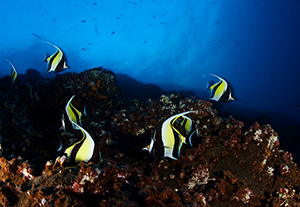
<point>65,66</point>
<point>146,148</point>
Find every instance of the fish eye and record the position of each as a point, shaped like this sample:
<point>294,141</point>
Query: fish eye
<point>180,119</point>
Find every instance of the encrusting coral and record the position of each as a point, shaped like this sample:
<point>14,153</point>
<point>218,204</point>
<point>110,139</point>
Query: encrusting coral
<point>228,165</point>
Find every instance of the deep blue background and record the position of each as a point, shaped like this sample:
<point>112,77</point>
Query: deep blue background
<point>254,44</point>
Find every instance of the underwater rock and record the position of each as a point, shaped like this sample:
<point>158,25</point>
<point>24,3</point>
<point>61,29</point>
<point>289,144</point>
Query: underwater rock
<point>229,164</point>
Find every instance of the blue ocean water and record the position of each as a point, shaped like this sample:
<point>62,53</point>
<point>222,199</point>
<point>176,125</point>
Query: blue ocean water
<point>255,45</point>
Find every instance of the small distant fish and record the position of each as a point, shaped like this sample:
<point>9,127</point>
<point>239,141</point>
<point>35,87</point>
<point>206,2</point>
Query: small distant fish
<point>113,32</point>
<point>168,140</point>
<point>13,74</point>
<point>73,115</point>
<point>56,62</point>
<point>85,150</point>
<point>220,91</point>
<point>33,96</point>
<point>96,30</point>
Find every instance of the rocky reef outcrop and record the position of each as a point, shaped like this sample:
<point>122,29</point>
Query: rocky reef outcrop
<point>229,165</point>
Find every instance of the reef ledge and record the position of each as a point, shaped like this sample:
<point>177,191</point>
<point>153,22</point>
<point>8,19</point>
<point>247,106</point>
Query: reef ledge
<point>229,165</point>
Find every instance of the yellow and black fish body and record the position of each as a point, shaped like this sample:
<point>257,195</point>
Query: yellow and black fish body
<point>167,140</point>
<point>220,91</point>
<point>158,149</point>
<point>185,127</point>
<point>13,75</point>
<point>85,150</point>
<point>70,116</point>
<point>56,62</point>
<point>73,114</point>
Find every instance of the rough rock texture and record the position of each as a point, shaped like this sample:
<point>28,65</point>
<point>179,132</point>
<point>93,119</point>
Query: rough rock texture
<point>229,165</point>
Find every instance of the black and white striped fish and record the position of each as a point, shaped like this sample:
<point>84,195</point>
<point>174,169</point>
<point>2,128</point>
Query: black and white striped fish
<point>84,150</point>
<point>73,116</point>
<point>220,91</point>
<point>13,74</point>
<point>168,140</point>
<point>56,62</point>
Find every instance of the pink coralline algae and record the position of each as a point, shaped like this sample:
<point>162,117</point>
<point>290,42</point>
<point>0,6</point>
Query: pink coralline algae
<point>228,165</point>
<point>243,195</point>
<point>199,177</point>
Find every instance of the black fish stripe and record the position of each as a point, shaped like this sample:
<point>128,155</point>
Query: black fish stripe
<point>75,150</point>
<point>177,140</point>
<point>180,128</point>
<point>193,133</point>
<point>225,96</point>
<point>158,147</point>
<point>13,75</point>
<point>60,65</point>
<point>183,125</point>
<point>95,157</point>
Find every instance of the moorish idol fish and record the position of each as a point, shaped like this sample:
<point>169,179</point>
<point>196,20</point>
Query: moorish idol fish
<point>85,150</point>
<point>74,116</point>
<point>33,96</point>
<point>13,74</point>
<point>220,91</point>
<point>56,62</point>
<point>168,140</point>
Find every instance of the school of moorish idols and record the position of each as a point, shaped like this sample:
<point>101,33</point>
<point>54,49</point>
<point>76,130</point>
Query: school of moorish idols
<point>221,162</point>
<point>166,142</point>
<point>73,141</point>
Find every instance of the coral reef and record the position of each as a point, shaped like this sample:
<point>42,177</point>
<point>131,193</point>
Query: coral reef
<point>229,165</point>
